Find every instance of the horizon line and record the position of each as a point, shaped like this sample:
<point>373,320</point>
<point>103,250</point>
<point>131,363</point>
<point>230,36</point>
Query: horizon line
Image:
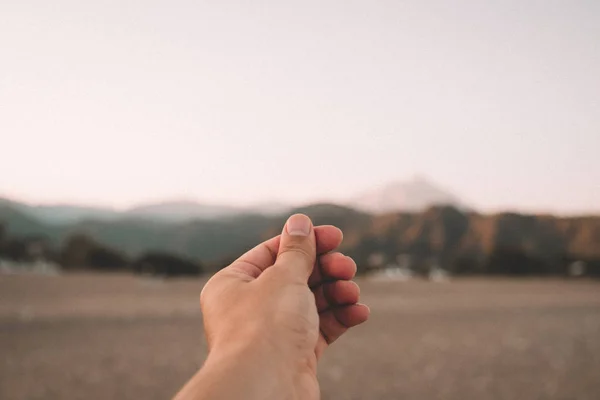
<point>300,204</point>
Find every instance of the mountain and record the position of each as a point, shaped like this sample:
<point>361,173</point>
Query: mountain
<point>414,195</point>
<point>166,211</point>
<point>187,210</point>
<point>269,208</point>
<point>66,214</point>
<point>20,223</point>
<point>462,242</point>
<point>181,210</point>
<point>61,213</point>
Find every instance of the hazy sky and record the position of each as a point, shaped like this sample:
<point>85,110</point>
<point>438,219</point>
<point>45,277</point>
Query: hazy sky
<point>118,102</point>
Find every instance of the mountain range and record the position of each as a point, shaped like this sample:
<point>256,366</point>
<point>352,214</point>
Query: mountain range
<point>461,241</point>
<point>397,219</point>
<point>413,195</point>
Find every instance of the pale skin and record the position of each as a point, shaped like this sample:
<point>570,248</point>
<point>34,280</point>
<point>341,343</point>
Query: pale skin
<point>270,315</point>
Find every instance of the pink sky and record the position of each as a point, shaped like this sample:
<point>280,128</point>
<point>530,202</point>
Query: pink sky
<point>126,102</point>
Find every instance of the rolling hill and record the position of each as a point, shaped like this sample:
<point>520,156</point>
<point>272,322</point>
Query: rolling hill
<point>463,242</point>
<point>413,195</point>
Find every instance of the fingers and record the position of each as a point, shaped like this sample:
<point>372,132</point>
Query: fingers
<point>256,260</point>
<point>328,238</point>
<point>332,266</point>
<point>297,248</point>
<point>335,321</point>
<point>350,316</point>
<point>337,302</point>
<point>338,307</point>
<point>335,294</point>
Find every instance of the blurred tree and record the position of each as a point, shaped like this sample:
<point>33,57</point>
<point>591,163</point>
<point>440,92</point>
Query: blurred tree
<point>2,239</point>
<point>82,252</point>
<point>514,261</point>
<point>163,264</point>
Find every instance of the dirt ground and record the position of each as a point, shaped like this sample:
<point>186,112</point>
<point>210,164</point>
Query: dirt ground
<point>124,337</point>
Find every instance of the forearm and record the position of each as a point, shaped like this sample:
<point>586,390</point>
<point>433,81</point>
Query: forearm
<point>244,371</point>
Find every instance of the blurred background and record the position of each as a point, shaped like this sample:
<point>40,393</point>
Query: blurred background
<point>145,145</point>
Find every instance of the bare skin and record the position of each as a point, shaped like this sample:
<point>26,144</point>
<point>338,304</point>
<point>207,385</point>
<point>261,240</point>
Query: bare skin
<point>271,314</point>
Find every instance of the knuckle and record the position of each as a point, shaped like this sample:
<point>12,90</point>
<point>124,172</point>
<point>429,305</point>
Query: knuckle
<point>301,252</point>
<point>203,294</point>
<point>208,288</point>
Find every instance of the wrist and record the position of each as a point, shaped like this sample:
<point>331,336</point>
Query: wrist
<point>252,343</point>
<point>242,369</point>
<point>252,353</point>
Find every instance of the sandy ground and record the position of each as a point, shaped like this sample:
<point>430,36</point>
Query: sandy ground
<point>124,337</point>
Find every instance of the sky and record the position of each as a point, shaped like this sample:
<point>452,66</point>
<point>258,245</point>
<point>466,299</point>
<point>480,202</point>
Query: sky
<point>115,103</point>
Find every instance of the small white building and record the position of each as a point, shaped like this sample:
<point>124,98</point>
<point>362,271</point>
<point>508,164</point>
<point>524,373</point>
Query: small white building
<point>577,268</point>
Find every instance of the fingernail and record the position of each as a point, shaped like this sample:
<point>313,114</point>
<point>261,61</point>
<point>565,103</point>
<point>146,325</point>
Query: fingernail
<point>298,225</point>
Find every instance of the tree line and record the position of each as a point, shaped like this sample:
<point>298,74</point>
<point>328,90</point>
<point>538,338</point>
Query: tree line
<point>459,242</point>
<point>80,252</point>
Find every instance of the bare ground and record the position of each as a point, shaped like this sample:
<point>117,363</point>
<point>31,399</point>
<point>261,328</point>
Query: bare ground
<point>124,337</point>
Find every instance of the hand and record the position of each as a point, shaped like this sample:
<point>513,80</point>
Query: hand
<point>270,315</point>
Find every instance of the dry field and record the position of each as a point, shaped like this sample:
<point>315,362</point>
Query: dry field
<point>123,337</point>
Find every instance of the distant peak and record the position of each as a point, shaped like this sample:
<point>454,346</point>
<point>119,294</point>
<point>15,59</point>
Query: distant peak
<point>415,194</point>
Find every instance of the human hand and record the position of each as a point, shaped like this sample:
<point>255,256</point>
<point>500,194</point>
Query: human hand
<point>270,315</point>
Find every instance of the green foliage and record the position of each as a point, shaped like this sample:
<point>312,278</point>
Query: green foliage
<point>462,242</point>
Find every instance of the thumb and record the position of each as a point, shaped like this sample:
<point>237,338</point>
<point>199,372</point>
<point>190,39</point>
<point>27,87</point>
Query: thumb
<point>297,249</point>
